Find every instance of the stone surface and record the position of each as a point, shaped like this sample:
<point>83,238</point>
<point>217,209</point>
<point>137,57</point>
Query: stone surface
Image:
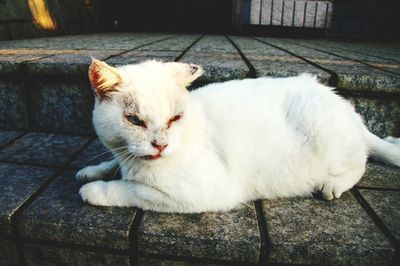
<point>387,205</point>
<point>50,255</point>
<point>328,46</point>
<point>18,183</point>
<point>8,253</point>
<point>309,231</point>
<point>219,58</point>
<point>381,116</point>
<point>59,214</point>
<point>13,111</point>
<point>166,51</point>
<point>44,149</point>
<point>92,155</point>
<point>381,50</point>
<point>69,64</point>
<point>166,262</point>
<point>270,61</point>
<point>380,176</point>
<point>7,137</point>
<point>62,107</point>
<point>351,75</point>
<point>231,236</point>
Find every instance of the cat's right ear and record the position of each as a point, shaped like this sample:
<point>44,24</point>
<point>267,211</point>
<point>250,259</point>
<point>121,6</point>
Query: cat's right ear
<point>105,79</point>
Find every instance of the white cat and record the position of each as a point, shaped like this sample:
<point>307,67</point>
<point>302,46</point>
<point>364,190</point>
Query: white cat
<point>224,144</point>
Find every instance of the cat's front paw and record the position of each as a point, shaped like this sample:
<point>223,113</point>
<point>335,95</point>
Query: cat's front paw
<point>95,193</point>
<point>88,173</point>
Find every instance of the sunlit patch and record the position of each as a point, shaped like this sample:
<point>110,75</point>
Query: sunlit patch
<point>41,14</point>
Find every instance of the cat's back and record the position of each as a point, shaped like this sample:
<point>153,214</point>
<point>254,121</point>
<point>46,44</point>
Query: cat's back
<point>258,95</point>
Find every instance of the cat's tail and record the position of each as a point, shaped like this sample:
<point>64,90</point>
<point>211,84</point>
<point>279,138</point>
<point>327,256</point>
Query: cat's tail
<point>386,150</point>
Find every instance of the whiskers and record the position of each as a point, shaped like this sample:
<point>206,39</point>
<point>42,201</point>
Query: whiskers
<point>116,150</point>
<point>127,160</point>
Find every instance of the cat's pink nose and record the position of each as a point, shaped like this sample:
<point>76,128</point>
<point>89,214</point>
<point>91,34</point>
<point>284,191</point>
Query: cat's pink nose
<point>159,147</point>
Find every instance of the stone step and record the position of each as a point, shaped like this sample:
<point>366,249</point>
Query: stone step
<point>44,222</point>
<point>44,85</point>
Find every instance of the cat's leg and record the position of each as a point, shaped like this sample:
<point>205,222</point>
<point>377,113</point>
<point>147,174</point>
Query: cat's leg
<point>334,185</point>
<point>127,193</point>
<point>96,172</point>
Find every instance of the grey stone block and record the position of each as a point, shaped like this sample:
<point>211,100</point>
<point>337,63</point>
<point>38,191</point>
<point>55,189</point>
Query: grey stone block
<point>19,182</point>
<point>374,60</point>
<point>231,236</point>
<point>7,137</point>
<point>380,176</point>
<point>270,61</point>
<point>41,255</point>
<point>381,116</point>
<point>8,253</point>
<point>62,107</point>
<point>351,75</point>
<point>92,155</point>
<point>165,51</point>
<point>13,112</point>
<point>374,51</point>
<point>40,148</point>
<point>168,262</point>
<point>59,214</point>
<point>218,56</point>
<point>387,205</point>
<point>309,231</point>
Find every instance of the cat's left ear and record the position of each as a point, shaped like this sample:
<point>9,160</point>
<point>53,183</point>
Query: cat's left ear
<point>185,74</point>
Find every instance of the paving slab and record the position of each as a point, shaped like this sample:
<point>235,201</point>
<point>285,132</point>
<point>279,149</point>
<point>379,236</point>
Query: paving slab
<point>381,116</point>
<point>167,262</point>
<point>43,149</point>
<point>328,46</point>
<point>8,253</point>
<point>59,214</point>
<point>12,59</point>
<point>230,236</point>
<point>13,105</point>
<point>166,51</point>
<point>351,75</point>
<point>219,57</point>
<point>380,176</point>
<point>75,62</point>
<point>386,205</point>
<point>19,182</point>
<point>49,255</point>
<point>62,107</point>
<point>270,61</point>
<point>310,231</point>
<point>92,155</point>
<point>381,50</point>
<point>7,136</point>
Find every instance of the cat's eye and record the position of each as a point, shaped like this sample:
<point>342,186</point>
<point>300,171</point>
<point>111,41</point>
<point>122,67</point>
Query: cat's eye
<point>173,119</point>
<point>135,120</point>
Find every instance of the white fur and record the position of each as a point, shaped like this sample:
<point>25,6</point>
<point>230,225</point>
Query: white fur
<point>237,141</point>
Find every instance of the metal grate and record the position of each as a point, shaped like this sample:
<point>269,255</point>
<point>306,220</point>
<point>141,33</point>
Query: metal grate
<point>291,13</point>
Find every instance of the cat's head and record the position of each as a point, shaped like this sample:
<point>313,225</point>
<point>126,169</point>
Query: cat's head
<point>142,107</point>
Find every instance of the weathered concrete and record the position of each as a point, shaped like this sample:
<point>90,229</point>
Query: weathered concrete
<point>59,214</point>
<point>309,231</point>
<point>43,149</point>
<point>230,236</point>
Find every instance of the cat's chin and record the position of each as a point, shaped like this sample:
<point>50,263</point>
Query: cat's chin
<point>151,157</point>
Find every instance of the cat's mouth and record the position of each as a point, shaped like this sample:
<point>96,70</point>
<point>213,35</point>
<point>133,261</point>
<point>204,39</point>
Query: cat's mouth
<point>151,157</point>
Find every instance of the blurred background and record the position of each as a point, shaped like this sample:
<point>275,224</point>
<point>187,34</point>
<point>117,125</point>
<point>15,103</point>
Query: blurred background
<point>371,19</point>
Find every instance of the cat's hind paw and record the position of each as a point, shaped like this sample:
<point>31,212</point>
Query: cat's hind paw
<point>95,193</point>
